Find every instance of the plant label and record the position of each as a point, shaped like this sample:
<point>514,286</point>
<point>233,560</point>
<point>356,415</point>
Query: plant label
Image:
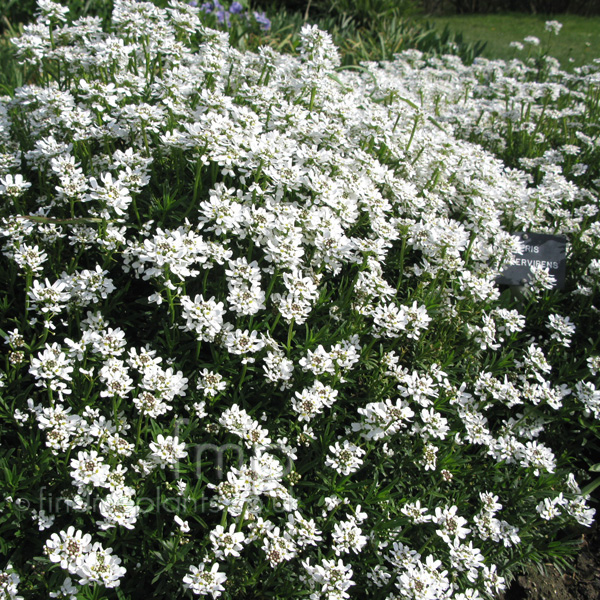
<point>541,250</point>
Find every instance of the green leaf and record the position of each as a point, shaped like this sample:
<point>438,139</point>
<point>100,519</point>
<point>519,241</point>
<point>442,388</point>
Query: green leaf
<point>72,221</point>
<point>590,487</point>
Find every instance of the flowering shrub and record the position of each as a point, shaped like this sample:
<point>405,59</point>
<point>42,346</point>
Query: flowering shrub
<point>538,119</point>
<point>254,342</point>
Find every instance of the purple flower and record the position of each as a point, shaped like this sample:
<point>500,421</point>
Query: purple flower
<point>222,17</point>
<point>236,8</point>
<point>262,20</point>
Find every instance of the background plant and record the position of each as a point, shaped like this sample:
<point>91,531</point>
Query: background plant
<point>287,266</point>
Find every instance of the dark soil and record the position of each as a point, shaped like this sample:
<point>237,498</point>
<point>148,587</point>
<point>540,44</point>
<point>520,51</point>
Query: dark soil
<point>581,584</point>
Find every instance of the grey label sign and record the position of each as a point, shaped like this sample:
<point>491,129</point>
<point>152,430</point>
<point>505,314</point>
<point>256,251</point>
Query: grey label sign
<point>540,250</point>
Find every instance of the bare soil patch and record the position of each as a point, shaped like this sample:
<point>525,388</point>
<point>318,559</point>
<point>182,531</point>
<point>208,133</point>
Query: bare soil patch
<point>582,584</point>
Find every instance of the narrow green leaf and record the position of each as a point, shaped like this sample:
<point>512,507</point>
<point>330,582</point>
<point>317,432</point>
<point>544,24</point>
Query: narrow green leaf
<point>590,487</point>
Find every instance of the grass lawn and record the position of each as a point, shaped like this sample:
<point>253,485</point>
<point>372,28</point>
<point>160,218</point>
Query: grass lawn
<point>578,42</point>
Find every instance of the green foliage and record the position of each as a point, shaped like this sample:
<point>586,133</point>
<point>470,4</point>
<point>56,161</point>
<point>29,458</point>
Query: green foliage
<point>366,12</point>
<point>396,34</point>
<point>14,12</point>
<point>364,30</point>
<point>12,75</point>
<point>322,238</point>
<point>577,44</point>
<point>449,42</point>
<point>373,41</point>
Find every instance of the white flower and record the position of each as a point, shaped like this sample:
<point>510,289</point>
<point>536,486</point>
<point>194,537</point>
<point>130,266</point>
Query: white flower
<point>227,543</point>
<point>578,508</point>
<point>30,257</point>
<point>164,383</point>
<point>540,281</point>
<point>318,362</point>
<point>68,548</point>
<point>203,317</point>
<point>312,401</point>
<point>88,286</point>
<point>332,502</point>
<point>52,368</point>
<point>429,460</point>
<point>562,329</point>
<point>211,383</point>
<point>345,458</point>
<point>204,582</point>
<point>89,468</point>
<point>43,520</point>
<point>243,342</point>
<point>329,577</point>
<point>553,26</point>
<point>149,404</point>
<point>167,451</point>
<point>68,591</point>
<point>277,367</point>
<point>490,502</point>
<point>317,49</point>
<point>113,195</point>
<point>9,580</point>
<point>13,186</point>
<point>452,526</point>
<point>303,531</point>
<point>48,297</point>
<point>119,508</point>
<point>100,566</point>
<point>539,456</point>
<point>347,536</point>
<point>415,512</point>
<point>51,11</point>
<point>423,579</point>
<point>184,526</point>
<point>464,557</point>
<point>492,581</point>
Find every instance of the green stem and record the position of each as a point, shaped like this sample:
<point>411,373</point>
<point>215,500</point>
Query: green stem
<point>52,42</point>
<point>138,434</point>
<point>396,123</point>
<point>145,136</point>
<point>271,284</point>
<point>272,328</point>
<point>290,335</point>
<point>135,210</point>
<point>205,281</point>
<point>313,93</point>
<point>96,592</point>
<point>401,271</point>
<point>241,517</point>
<point>243,376</point>
<point>197,181</point>
<point>412,133</point>
<point>28,281</point>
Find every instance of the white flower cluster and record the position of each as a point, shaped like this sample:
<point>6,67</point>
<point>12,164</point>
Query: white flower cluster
<point>260,255</point>
<point>9,581</point>
<point>92,563</point>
